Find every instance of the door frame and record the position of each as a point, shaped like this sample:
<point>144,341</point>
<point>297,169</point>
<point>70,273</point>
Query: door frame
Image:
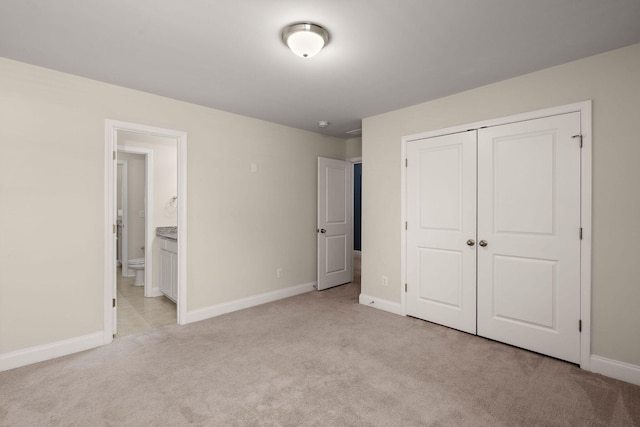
<point>148,216</point>
<point>124,240</point>
<point>111,129</point>
<point>584,108</point>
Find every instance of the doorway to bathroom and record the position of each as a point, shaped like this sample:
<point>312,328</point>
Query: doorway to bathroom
<point>146,192</point>
<point>145,217</point>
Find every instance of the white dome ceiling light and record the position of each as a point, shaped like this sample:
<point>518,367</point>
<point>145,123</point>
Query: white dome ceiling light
<point>305,39</point>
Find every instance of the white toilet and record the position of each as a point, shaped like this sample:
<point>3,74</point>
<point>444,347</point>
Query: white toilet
<point>137,265</point>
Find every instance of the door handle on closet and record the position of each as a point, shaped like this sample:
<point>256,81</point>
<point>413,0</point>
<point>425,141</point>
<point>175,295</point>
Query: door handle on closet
<point>483,243</point>
<point>471,242</point>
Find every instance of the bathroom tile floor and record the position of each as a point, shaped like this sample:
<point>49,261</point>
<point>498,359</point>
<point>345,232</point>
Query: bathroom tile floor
<point>137,313</point>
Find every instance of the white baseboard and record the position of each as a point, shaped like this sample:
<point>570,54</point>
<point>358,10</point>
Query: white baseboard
<point>40,353</point>
<point>156,292</point>
<point>382,304</point>
<point>615,369</point>
<point>252,301</point>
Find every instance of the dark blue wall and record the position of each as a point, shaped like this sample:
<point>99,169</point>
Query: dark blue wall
<point>357,205</point>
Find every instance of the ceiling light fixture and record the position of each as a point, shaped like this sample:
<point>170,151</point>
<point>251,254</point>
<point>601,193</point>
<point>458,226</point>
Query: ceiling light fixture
<point>323,123</point>
<point>305,39</point>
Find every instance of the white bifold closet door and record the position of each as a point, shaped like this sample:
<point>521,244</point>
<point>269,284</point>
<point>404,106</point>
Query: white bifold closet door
<point>526,187</point>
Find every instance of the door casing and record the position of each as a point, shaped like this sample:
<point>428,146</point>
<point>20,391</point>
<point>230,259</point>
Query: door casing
<point>111,129</point>
<point>584,108</point>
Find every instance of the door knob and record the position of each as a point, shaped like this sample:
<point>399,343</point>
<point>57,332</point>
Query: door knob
<point>322,230</point>
<point>471,242</point>
<point>483,243</point>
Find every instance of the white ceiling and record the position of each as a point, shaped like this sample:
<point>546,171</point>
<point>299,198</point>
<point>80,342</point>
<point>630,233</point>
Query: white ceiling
<point>383,54</point>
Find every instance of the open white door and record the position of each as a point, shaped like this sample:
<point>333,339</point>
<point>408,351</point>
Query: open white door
<point>335,228</point>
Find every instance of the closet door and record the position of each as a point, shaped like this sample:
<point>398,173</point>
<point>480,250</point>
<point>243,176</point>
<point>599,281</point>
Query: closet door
<point>529,235</point>
<point>441,214</point>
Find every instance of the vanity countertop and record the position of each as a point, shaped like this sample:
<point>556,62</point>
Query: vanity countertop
<point>170,233</point>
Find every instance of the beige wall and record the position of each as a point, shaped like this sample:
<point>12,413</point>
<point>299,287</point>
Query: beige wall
<point>354,147</point>
<point>612,81</point>
<point>241,225</point>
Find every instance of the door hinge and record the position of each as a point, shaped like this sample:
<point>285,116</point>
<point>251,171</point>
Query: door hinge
<point>406,163</point>
<point>114,155</point>
<point>406,225</point>
<point>580,233</point>
<point>114,229</point>
<point>579,137</point>
<point>580,325</point>
<point>405,287</point>
<point>113,303</point>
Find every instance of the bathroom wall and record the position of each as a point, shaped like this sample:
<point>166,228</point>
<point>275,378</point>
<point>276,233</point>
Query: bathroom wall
<point>118,209</point>
<point>135,203</point>
<point>165,186</point>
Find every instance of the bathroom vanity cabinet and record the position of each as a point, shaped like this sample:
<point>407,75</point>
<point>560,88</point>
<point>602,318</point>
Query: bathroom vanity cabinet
<point>169,268</point>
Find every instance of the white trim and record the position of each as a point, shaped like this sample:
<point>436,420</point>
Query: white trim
<point>109,325</point>
<point>403,221</point>
<point>252,301</point>
<point>149,233</point>
<point>124,243</point>
<point>615,369</point>
<point>382,304</point>
<point>584,108</point>
<point>40,353</point>
<point>585,247</point>
<point>111,129</point>
<point>155,292</point>
<point>182,228</point>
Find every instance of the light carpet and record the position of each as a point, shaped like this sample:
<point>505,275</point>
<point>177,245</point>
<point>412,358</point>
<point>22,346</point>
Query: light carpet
<point>318,359</point>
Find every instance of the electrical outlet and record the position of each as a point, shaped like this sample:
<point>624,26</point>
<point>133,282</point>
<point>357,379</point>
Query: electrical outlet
<point>279,273</point>
<point>385,281</point>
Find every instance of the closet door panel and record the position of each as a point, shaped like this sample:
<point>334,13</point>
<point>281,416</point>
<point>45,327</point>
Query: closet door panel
<point>529,217</point>
<point>441,213</point>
